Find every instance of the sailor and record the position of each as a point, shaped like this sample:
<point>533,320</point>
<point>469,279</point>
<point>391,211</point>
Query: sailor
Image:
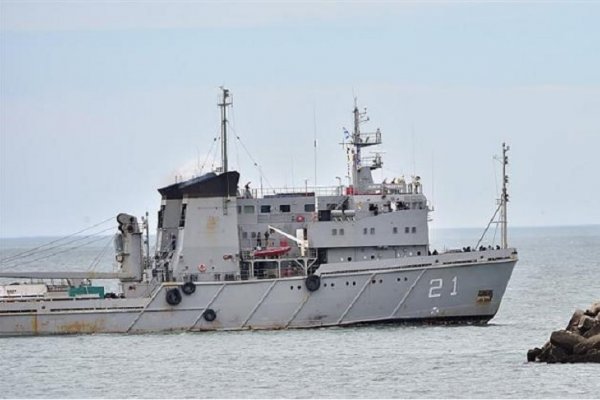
<point>267,238</point>
<point>258,241</point>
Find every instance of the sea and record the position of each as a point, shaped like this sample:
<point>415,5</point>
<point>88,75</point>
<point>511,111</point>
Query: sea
<point>558,271</point>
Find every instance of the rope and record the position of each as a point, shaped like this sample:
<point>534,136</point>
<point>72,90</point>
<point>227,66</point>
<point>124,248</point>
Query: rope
<point>208,155</point>
<point>260,171</point>
<point>34,250</point>
<point>62,251</point>
<point>487,227</point>
<point>96,260</point>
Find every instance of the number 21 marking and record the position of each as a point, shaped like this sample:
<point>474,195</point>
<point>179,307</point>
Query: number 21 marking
<point>437,284</point>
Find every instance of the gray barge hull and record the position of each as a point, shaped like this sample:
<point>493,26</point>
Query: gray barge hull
<point>469,292</point>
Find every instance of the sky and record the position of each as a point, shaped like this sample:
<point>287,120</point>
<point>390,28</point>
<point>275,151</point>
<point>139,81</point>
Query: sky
<point>101,103</point>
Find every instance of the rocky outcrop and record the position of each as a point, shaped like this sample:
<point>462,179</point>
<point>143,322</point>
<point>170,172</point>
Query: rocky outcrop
<point>579,342</point>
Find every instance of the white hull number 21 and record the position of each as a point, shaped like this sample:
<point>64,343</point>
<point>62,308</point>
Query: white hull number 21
<point>435,287</point>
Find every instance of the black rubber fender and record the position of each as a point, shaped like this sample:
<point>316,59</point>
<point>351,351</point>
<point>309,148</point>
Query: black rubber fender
<point>173,296</point>
<point>312,282</point>
<point>188,288</point>
<point>209,314</point>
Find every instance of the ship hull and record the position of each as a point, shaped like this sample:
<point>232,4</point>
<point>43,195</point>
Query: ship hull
<point>460,293</point>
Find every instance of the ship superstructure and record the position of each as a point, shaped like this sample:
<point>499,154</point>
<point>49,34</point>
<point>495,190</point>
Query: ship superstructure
<point>235,258</point>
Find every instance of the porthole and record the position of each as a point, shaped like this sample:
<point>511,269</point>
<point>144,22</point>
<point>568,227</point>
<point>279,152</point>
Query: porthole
<point>349,258</point>
<point>381,281</point>
<point>353,283</point>
<point>332,284</point>
<point>291,288</point>
<point>398,279</point>
<point>373,281</point>
<point>347,283</point>
<point>299,287</point>
<point>418,253</point>
<point>405,279</point>
<point>325,285</point>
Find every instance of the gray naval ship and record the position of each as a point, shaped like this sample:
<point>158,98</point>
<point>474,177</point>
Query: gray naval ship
<point>231,258</point>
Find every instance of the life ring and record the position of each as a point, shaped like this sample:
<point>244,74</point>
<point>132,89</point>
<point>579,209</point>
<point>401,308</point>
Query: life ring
<point>173,296</point>
<point>202,268</point>
<point>300,218</point>
<point>312,282</point>
<point>188,288</point>
<point>209,315</point>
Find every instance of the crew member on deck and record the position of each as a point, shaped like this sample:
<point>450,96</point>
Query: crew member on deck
<point>258,241</point>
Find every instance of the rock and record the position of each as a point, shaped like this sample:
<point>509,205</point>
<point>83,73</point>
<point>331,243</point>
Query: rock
<point>585,323</point>
<point>533,354</point>
<point>545,353</point>
<point>593,356</point>
<point>579,342</point>
<point>593,331</point>
<point>566,340</point>
<point>594,310</point>
<point>574,321</point>
<point>557,354</point>
<point>587,345</point>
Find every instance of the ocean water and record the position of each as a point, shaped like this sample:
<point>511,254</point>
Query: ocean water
<point>558,271</point>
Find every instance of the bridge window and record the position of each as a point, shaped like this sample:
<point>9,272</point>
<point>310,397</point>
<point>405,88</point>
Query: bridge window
<point>341,231</point>
<point>309,207</point>
<point>395,229</point>
<point>334,232</point>
<point>284,208</point>
<point>364,231</point>
<point>265,209</point>
<point>406,229</point>
<point>248,209</point>
<point>161,214</point>
<point>414,229</point>
<point>182,216</point>
<point>372,231</point>
<point>244,235</point>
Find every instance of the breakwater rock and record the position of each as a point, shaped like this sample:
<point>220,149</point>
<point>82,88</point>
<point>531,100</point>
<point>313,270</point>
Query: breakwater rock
<point>579,342</point>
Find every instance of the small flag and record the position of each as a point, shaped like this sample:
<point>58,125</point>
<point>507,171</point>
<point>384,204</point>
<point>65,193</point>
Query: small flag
<point>346,133</point>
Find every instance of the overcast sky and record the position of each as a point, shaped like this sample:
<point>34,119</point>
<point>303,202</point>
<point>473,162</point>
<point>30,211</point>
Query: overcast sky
<point>104,102</point>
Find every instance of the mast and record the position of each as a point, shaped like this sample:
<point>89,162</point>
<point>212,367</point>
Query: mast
<point>147,229</point>
<point>223,106</point>
<point>355,139</point>
<point>504,198</point>
<point>360,140</point>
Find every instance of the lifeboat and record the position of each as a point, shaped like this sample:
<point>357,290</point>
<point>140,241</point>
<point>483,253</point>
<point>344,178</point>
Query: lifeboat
<point>271,251</point>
